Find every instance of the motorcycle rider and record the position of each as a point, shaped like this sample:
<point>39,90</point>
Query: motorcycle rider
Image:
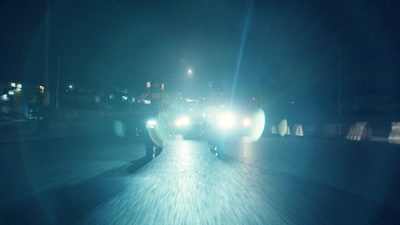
<point>156,96</point>
<point>154,109</point>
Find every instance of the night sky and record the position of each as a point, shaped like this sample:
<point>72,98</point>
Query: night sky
<point>285,49</point>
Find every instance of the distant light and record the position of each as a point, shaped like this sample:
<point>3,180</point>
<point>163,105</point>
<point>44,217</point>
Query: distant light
<point>11,92</point>
<point>189,71</point>
<point>12,84</point>
<point>70,86</point>
<point>19,86</point>
<point>4,97</point>
<point>148,85</point>
<point>292,102</point>
<point>124,98</point>
<point>151,124</point>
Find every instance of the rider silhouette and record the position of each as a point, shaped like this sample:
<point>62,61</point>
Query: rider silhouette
<point>155,95</point>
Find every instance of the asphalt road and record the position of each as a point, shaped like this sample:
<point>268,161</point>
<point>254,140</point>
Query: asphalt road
<point>100,180</point>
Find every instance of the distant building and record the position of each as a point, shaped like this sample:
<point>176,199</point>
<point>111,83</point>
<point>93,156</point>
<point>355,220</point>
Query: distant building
<point>19,97</point>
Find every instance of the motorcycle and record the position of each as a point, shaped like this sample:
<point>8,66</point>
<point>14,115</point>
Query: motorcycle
<point>223,125</point>
<point>154,129</point>
<point>216,129</point>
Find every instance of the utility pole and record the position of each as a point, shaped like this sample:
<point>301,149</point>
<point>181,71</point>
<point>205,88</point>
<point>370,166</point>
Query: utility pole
<point>330,94</point>
<point>46,56</point>
<point>58,80</point>
<point>340,83</point>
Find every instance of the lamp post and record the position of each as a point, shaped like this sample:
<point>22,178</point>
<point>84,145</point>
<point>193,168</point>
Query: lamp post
<point>340,83</point>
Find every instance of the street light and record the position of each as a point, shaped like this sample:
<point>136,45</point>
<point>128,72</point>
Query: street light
<point>70,87</point>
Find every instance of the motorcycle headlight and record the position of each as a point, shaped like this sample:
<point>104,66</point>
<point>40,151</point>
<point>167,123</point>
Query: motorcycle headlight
<point>151,124</point>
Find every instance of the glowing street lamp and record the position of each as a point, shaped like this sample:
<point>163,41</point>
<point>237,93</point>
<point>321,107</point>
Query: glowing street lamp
<point>70,87</point>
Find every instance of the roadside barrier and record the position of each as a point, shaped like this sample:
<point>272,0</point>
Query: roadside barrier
<point>298,129</point>
<point>394,137</point>
<point>318,130</point>
<point>287,130</point>
<point>359,132</point>
<point>332,130</point>
<point>344,130</point>
<point>274,130</point>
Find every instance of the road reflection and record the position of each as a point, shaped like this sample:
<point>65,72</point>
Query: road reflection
<point>186,184</point>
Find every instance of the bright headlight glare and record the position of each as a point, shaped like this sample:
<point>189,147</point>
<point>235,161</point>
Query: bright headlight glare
<point>226,120</point>
<point>246,122</point>
<point>184,121</point>
<point>151,124</point>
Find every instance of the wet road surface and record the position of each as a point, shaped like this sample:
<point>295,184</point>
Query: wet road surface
<point>271,181</point>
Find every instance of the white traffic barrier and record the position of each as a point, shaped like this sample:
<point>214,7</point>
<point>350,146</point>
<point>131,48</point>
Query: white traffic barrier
<point>331,130</point>
<point>287,130</point>
<point>358,132</point>
<point>274,130</point>
<point>394,137</point>
<point>298,129</point>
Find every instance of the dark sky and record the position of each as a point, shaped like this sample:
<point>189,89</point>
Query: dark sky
<point>286,49</point>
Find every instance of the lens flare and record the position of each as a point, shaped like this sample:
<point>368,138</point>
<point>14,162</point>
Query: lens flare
<point>247,122</point>
<point>155,137</point>
<point>119,128</point>
<point>258,125</point>
<point>282,128</point>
